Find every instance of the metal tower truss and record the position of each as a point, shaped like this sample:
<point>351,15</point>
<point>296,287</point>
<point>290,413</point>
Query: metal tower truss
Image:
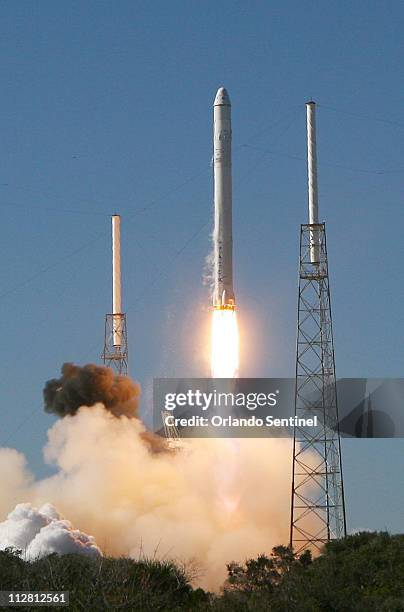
<point>317,501</point>
<point>171,433</point>
<point>115,354</point>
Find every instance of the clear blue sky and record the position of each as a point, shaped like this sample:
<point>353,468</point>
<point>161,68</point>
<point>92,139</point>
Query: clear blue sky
<point>107,107</point>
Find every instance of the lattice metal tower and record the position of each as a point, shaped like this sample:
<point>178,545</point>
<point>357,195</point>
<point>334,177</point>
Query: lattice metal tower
<point>115,354</point>
<point>317,500</point>
<point>171,433</point>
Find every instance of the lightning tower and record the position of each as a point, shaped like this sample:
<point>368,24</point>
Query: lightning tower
<point>115,354</point>
<point>317,500</point>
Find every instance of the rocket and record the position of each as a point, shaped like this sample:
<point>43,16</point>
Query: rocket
<point>223,295</point>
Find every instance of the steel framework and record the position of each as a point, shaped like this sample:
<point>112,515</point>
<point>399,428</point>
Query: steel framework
<point>115,355</point>
<point>171,433</point>
<point>317,500</point>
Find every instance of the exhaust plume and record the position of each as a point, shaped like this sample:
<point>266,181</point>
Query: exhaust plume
<point>37,533</point>
<point>88,385</point>
<point>214,502</point>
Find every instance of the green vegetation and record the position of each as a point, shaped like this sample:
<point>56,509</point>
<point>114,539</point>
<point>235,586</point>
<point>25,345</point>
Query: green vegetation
<point>363,573</point>
<point>100,583</point>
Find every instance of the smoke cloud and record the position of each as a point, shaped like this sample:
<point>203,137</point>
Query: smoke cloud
<point>88,385</point>
<point>208,278</point>
<point>37,533</point>
<point>214,501</point>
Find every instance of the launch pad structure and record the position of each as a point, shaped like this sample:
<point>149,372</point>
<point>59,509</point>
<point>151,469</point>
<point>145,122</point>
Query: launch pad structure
<point>174,442</point>
<point>115,353</point>
<point>318,507</point>
<point>317,497</point>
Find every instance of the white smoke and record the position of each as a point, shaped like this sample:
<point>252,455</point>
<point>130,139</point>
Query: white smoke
<point>40,532</point>
<point>208,277</point>
<point>217,501</point>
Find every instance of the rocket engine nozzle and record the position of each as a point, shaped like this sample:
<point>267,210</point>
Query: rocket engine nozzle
<point>225,302</point>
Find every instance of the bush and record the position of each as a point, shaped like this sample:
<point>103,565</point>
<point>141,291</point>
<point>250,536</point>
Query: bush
<point>363,572</point>
<point>100,583</point>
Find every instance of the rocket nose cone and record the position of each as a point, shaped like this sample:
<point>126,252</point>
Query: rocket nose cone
<point>222,97</point>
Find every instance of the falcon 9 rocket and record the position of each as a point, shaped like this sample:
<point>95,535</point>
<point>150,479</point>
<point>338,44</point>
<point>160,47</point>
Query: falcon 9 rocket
<point>223,295</point>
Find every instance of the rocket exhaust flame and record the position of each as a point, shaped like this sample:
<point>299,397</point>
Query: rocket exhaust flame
<point>225,343</point>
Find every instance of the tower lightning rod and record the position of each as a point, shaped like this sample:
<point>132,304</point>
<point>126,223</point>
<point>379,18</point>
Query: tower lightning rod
<point>312,161</point>
<point>116,280</point>
<point>312,179</point>
<point>115,353</point>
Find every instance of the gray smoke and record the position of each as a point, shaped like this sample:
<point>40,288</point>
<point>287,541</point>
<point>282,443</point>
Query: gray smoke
<point>89,385</point>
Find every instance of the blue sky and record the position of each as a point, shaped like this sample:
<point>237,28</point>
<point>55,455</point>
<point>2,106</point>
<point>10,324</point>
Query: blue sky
<point>107,107</point>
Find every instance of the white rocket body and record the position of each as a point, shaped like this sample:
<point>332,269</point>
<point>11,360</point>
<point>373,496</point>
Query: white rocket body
<point>116,280</point>
<point>223,295</point>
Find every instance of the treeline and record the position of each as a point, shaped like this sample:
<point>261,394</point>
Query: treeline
<point>363,573</point>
